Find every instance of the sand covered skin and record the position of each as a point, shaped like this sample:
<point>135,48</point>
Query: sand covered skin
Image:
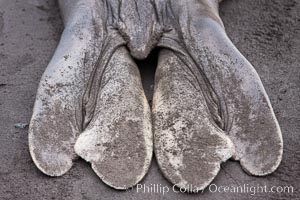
<point>91,95</point>
<point>267,77</point>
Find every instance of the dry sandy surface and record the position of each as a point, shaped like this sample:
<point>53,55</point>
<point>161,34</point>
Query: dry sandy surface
<point>266,32</point>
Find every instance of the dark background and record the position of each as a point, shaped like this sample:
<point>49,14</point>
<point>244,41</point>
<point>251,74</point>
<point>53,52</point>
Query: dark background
<point>266,32</point>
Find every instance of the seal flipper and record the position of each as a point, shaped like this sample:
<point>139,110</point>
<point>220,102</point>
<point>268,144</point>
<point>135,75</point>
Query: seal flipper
<point>57,119</point>
<point>118,140</point>
<point>246,109</point>
<point>189,146</point>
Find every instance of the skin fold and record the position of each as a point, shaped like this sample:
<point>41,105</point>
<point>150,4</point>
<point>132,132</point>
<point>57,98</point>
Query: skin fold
<point>92,87</point>
<point>209,104</point>
<point>233,95</point>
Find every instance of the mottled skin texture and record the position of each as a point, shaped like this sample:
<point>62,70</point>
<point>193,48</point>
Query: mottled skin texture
<point>92,87</point>
<point>234,100</point>
<point>141,35</point>
<point>209,103</point>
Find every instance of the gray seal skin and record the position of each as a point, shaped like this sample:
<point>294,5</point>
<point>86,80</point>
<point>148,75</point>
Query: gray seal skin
<point>92,88</point>
<point>209,104</point>
<point>207,97</point>
<point>139,26</point>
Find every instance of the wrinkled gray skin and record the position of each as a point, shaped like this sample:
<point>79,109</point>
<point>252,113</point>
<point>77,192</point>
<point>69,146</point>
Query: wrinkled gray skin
<point>209,104</point>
